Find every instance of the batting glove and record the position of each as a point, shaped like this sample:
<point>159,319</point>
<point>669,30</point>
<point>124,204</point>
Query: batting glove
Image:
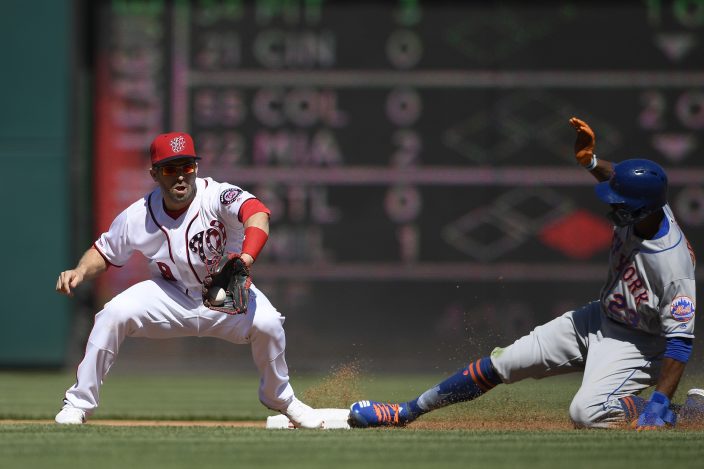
<point>656,414</point>
<point>584,144</point>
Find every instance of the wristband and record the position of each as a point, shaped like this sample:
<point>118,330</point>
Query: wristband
<point>254,240</point>
<point>592,164</point>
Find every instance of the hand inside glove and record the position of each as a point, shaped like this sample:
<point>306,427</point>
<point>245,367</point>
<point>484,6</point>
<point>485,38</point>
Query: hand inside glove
<point>656,414</point>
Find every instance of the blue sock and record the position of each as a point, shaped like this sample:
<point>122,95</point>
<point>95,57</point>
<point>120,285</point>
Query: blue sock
<point>469,383</point>
<point>632,407</point>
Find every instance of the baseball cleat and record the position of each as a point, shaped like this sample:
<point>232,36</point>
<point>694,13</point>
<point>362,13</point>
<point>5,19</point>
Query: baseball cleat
<point>365,414</point>
<point>71,416</point>
<point>692,410</point>
<point>302,415</point>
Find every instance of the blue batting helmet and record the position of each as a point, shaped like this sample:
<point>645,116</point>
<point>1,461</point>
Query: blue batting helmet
<point>638,186</point>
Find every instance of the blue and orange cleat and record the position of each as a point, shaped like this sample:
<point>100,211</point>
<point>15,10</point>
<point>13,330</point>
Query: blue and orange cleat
<point>365,414</point>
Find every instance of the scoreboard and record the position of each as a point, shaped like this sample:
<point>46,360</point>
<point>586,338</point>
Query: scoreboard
<point>416,155</point>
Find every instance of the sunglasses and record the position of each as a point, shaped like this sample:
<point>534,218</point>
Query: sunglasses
<point>173,170</point>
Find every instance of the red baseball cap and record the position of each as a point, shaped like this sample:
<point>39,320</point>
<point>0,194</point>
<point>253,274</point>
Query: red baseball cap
<point>166,147</point>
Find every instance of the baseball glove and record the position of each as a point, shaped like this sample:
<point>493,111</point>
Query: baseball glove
<point>230,274</point>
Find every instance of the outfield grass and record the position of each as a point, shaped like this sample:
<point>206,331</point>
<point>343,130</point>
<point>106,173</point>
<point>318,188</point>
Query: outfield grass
<point>229,397</point>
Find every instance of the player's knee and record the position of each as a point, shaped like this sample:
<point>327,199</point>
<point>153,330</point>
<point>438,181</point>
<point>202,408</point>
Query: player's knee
<point>583,412</point>
<point>269,325</point>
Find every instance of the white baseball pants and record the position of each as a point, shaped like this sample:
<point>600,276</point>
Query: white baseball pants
<point>157,309</point>
<point>616,361</point>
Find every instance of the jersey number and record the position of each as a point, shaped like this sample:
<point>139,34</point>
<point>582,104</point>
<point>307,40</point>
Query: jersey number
<point>619,311</point>
<point>165,271</point>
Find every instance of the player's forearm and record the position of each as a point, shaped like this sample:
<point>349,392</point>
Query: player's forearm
<point>670,376</point>
<point>256,234</point>
<point>602,171</point>
<point>91,264</point>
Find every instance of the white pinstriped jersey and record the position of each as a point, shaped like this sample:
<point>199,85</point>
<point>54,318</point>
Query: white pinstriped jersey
<point>651,286</point>
<point>178,249</point>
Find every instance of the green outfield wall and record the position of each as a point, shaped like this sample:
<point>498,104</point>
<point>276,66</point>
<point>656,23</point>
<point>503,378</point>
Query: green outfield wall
<point>34,149</point>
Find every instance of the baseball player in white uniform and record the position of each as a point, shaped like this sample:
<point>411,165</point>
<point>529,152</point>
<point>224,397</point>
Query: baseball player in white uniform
<point>638,334</point>
<point>180,227</point>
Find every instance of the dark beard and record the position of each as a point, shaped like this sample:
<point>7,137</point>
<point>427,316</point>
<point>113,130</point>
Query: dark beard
<point>622,217</point>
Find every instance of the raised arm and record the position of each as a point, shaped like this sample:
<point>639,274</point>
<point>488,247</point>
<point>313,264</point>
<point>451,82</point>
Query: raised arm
<point>584,151</point>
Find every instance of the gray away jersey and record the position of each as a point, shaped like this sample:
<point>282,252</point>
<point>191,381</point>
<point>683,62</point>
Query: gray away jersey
<point>650,286</point>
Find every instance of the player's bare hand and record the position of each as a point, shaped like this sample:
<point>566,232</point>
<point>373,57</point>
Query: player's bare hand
<point>68,280</point>
<point>584,144</point>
